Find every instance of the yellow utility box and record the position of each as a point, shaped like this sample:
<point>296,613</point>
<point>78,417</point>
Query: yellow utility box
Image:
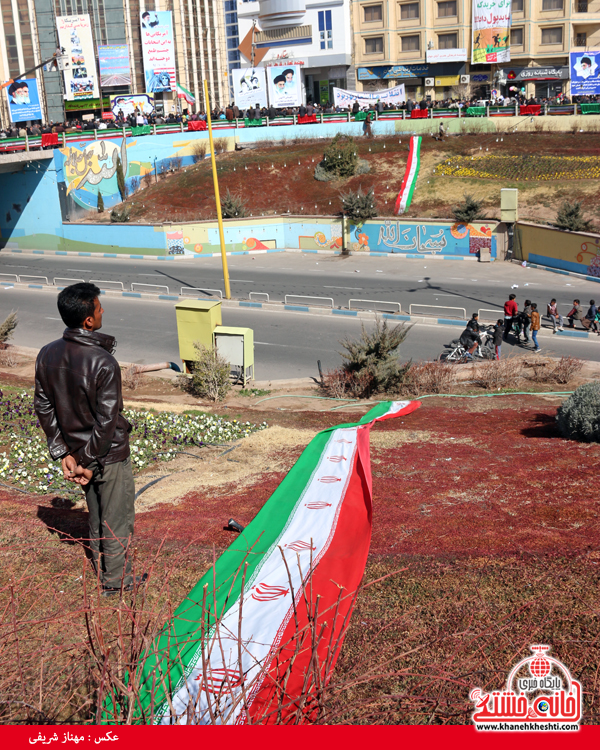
<point>236,345</point>
<point>509,205</point>
<point>196,321</point>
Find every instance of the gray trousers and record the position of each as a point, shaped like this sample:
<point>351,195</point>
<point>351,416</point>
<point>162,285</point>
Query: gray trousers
<point>110,497</point>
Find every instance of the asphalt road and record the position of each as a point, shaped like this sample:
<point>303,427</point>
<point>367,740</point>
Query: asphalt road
<point>287,344</point>
<point>438,284</point>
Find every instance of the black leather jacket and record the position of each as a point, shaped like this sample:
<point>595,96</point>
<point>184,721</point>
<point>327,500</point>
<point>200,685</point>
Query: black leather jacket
<point>78,398</point>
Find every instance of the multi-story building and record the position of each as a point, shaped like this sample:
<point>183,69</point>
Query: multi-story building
<point>28,36</point>
<point>425,44</point>
<point>313,33</point>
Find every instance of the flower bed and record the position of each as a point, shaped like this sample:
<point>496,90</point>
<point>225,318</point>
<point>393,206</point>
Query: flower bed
<point>521,167</point>
<point>26,463</point>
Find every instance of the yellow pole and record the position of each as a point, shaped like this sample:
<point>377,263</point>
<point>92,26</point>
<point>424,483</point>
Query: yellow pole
<point>217,196</point>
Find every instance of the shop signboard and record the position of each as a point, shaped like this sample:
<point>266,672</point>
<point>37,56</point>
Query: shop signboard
<point>285,86</point>
<point>158,50</point>
<point>24,100</point>
<point>249,87</point>
<point>585,73</point>
<point>75,37</point>
<point>113,61</point>
<point>343,98</point>
<point>491,31</point>
<point>446,55</point>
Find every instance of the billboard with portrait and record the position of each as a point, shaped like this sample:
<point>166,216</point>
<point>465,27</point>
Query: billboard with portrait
<point>491,32</point>
<point>249,87</point>
<point>285,86</point>
<point>158,50</point>
<point>585,73</point>
<point>24,100</point>
<point>129,103</point>
<point>75,36</point>
<point>113,61</point>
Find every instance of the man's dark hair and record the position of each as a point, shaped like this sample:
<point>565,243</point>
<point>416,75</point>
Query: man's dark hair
<point>592,302</point>
<point>586,60</point>
<point>76,303</point>
<point>279,79</point>
<point>534,305</point>
<point>16,86</point>
<point>288,70</point>
<point>576,301</point>
<point>512,296</point>
<point>145,14</point>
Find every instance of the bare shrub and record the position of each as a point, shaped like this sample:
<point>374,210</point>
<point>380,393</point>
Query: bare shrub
<point>7,358</point>
<point>551,371</point>
<point>198,151</point>
<point>134,184</point>
<point>497,374</point>
<point>429,377</point>
<point>220,145</point>
<point>131,378</point>
<point>175,163</point>
<point>147,179</point>
<point>339,383</point>
<point>210,375</point>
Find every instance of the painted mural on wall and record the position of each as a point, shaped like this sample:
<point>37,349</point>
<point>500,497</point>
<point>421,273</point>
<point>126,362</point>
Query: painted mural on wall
<point>590,254</point>
<point>196,239</point>
<point>421,239</point>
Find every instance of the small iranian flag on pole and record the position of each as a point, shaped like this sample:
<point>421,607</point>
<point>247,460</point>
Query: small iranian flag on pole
<point>405,195</point>
<point>258,637</point>
<point>183,93</point>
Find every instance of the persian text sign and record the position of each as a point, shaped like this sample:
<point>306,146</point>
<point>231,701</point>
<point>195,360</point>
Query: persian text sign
<point>343,98</point>
<point>158,50</point>
<point>491,31</point>
<point>75,35</point>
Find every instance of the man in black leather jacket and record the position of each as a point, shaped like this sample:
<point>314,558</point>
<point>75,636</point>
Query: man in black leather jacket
<point>78,402</point>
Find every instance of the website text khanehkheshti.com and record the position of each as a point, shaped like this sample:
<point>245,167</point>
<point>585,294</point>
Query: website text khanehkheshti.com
<point>527,726</point>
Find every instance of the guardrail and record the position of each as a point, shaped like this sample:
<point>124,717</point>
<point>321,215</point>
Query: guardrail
<point>306,296</point>
<point>28,276</point>
<point>71,281</point>
<point>12,276</point>
<point>497,313</point>
<point>99,282</point>
<point>212,292</point>
<point>374,302</point>
<point>154,286</point>
<point>258,294</point>
<point>440,307</point>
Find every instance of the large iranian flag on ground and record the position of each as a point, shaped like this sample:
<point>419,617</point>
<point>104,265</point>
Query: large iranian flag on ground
<point>259,636</point>
<point>411,174</point>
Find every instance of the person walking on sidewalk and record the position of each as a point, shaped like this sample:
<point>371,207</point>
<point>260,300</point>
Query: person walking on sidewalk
<point>78,402</point>
<point>498,331</point>
<point>535,326</point>
<point>510,310</point>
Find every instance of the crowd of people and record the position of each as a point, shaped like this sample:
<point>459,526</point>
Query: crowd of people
<point>527,323</point>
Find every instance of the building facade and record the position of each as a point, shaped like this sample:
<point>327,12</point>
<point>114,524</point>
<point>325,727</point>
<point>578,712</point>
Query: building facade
<point>313,33</point>
<point>425,44</point>
<point>28,36</point>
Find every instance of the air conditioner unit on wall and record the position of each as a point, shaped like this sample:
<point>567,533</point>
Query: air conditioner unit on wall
<point>465,79</point>
<point>430,82</point>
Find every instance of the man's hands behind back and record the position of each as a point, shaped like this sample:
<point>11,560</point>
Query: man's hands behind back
<point>74,473</point>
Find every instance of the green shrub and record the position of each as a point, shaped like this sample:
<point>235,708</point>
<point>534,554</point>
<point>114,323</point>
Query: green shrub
<point>121,179</point>
<point>570,217</point>
<point>100,203</point>
<point>341,157</point>
<point>359,206</point>
<point>119,214</point>
<point>578,418</point>
<point>210,374</point>
<point>7,328</point>
<point>373,360</point>
<point>468,211</point>
<point>233,206</point>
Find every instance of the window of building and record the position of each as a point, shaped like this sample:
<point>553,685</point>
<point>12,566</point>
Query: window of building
<point>411,43</point>
<point>373,45</point>
<point>373,13</point>
<point>447,41</point>
<point>581,6</point>
<point>325,31</point>
<point>581,39</point>
<point>516,6</point>
<point>552,4</point>
<point>447,8</point>
<point>553,35</point>
<point>516,37</point>
<point>409,11</point>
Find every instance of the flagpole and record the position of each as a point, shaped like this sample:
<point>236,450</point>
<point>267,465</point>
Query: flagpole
<point>217,196</point>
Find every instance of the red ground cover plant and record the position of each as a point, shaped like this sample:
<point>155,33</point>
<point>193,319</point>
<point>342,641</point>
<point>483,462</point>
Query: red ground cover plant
<point>490,517</point>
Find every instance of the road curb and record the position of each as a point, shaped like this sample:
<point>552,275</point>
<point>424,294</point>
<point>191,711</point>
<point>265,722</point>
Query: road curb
<point>198,256</point>
<point>559,271</point>
<point>303,309</point>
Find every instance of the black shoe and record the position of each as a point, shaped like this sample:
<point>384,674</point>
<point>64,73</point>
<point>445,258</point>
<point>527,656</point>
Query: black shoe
<point>114,590</point>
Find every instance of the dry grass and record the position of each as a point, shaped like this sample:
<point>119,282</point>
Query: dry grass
<point>131,378</point>
<point>496,375</point>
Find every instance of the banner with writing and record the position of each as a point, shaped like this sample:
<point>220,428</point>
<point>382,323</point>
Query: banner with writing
<point>158,50</point>
<point>249,87</point>
<point>113,61</point>
<point>491,31</point>
<point>75,36</point>
<point>343,98</point>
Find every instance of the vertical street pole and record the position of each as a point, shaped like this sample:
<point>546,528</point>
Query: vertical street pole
<point>217,196</point>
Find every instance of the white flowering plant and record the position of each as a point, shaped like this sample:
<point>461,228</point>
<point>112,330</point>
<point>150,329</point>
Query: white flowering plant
<point>26,463</point>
